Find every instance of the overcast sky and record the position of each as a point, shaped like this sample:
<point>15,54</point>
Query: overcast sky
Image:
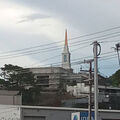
<point>29,23</point>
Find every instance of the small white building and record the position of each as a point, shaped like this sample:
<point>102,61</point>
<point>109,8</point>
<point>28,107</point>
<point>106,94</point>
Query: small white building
<point>78,90</point>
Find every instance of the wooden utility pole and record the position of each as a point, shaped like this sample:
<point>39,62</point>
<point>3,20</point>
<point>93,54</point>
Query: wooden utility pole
<point>90,91</point>
<point>90,80</point>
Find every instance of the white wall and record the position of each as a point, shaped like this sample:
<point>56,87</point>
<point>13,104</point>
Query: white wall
<point>78,90</point>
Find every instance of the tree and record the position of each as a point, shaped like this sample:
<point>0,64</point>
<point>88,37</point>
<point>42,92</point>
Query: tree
<point>115,79</point>
<point>17,77</point>
<point>31,96</point>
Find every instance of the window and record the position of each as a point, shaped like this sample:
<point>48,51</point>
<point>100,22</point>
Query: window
<point>65,58</point>
<point>43,79</point>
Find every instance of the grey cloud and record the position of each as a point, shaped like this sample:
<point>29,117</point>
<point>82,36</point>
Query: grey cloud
<point>33,17</point>
<point>82,15</point>
<point>86,16</point>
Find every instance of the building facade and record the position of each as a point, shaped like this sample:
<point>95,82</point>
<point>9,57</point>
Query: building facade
<point>58,113</point>
<point>50,78</point>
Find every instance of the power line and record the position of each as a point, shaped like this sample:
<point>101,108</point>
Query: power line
<point>49,50</point>
<point>75,61</point>
<point>28,48</point>
<point>83,47</point>
<point>110,41</point>
<point>98,37</point>
<point>25,70</point>
<point>79,58</point>
<point>56,56</point>
<point>108,58</point>
<point>74,50</point>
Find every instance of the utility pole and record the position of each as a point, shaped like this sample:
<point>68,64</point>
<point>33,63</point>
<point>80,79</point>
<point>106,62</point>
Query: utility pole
<point>117,49</point>
<point>90,89</point>
<point>96,54</point>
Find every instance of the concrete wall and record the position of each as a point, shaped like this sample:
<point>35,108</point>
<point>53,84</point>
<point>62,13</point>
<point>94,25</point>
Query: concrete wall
<point>10,97</point>
<point>54,74</point>
<point>48,70</point>
<point>10,100</point>
<point>49,113</point>
<point>10,112</point>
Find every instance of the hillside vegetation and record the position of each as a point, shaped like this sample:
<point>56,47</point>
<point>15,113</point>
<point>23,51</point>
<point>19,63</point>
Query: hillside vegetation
<point>115,79</point>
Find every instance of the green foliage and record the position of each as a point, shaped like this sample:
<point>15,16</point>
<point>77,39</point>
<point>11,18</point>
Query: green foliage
<point>115,79</point>
<point>31,96</point>
<point>17,78</point>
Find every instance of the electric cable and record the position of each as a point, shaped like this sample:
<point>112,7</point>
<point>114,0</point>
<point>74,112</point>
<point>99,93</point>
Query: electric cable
<point>94,33</point>
<point>74,60</point>
<point>2,57</point>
